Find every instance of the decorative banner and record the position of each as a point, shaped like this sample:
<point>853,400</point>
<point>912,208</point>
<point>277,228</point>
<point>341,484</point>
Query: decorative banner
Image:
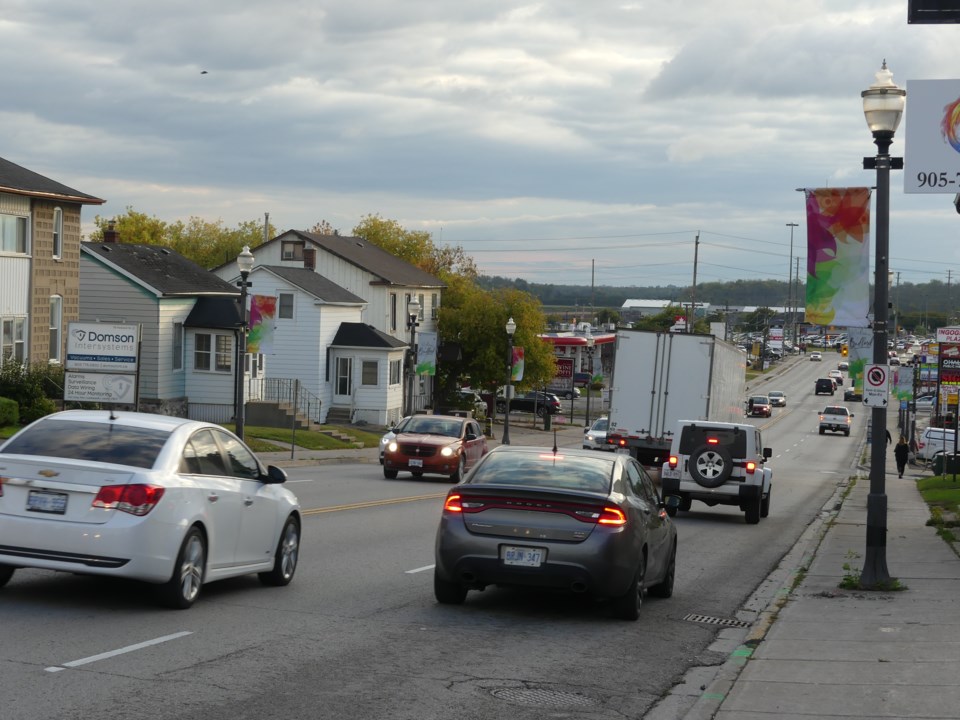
<point>426,354</point>
<point>859,353</point>
<point>263,310</point>
<point>838,256</point>
<point>516,365</point>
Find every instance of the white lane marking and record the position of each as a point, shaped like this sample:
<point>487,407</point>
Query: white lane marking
<point>420,569</point>
<point>120,651</point>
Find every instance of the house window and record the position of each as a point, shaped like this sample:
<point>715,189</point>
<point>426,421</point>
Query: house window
<point>394,372</point>
<point>57,232</point>
<point>422,309</point>
<point>12,339</point>
<point>178,346</point>
<point>285,309</point>
<point>369,373</point>
<point>434,306</point>
<point>393,311</point>
<point>212,351</point>
<point>291,250</point>
<point>224,353</point>
<point>56,322</point>
<point>13,234</point>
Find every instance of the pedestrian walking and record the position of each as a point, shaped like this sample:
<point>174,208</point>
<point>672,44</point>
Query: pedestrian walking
<point>901,452</point>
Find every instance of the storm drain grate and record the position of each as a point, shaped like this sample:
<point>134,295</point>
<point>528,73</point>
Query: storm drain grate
<point>539,697</point>
<point>709,620</point>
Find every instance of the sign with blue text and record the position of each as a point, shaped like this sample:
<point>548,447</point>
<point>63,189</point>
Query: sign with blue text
<point>102,346</point>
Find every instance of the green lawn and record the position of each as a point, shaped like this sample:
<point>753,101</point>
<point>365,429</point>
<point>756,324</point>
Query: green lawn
<point>941,491</point>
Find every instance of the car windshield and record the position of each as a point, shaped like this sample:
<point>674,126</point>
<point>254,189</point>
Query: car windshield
<point>545,469</point>
<point>775,393</point>
<point>733,439</point>
<point>90,441</point>
<point>601,424</point>
<point>429,425</point>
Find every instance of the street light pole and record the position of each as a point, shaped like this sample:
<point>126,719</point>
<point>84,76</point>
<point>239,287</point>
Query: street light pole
<point>590,347</point>
<point>413,314</point>
<point>791,302</point>
<point>883,104</point>
<point>244,264</point>
<point>511,328</point>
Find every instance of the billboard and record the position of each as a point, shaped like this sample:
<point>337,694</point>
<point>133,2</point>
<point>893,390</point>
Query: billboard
<point>931,157</point>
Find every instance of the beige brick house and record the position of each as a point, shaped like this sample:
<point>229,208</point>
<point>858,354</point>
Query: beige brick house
<point>39,263</point>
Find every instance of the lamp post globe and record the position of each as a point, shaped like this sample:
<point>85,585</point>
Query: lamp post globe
<point>883,104</point>
<point>245,261</point>
<point>511,328</point>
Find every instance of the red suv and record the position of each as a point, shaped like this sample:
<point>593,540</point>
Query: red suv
<point>759,406</point>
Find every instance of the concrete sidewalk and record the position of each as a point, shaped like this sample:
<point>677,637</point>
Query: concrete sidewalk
<point>818,651</point>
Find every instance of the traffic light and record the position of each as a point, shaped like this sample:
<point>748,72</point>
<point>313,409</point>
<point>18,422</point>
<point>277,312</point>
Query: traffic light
<point>843,350</point>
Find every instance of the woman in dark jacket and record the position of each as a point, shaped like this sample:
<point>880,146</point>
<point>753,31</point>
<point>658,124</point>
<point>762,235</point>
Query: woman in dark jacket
<point>901,452</point>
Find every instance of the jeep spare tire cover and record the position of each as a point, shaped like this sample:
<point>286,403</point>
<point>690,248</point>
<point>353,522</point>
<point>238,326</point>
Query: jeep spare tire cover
<point>710,466</point>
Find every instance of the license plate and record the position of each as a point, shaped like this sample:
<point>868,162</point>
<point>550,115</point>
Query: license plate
<point>47,502</point>
<point>672,474</point>
<point>523,556</point>
<point>415,463</point>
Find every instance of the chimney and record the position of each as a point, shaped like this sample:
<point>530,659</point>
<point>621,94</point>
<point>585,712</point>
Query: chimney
<point>310,258</point>
<point>110,235</point>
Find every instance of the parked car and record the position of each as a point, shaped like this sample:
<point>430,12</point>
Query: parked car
<point>568,393</point>
<point>924,403</point>
<point>595,436</point>
<point>582,379</point>
<point>173,502</point>
<point>435,445</point>
<point>570,520</point>
<point>934,440</point>
<point>759,406</point>
<point>816,357</point>
<point>777,398</point>
<point>536,401</point>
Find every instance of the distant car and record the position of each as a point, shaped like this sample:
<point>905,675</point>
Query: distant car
<point>759,406</point>
<point>534,401</point>
<point>777,398</point>
<point>836,375</point>
<point>582,379</point>
<point>925,403</point>
<point>174,502</point>
<point>851,395</point>
<point>815,357</point>
<point>569,520</point>
<point>435,445</point>
<point>595,436</point>
<point>843,365</point>
<point>568,393</point>
<point>824,386</point>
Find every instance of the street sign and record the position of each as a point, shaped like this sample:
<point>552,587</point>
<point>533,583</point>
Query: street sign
<point>876,385</point>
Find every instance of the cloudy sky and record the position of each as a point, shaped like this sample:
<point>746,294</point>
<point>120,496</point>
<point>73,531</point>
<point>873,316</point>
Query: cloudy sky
<point>565,141</point>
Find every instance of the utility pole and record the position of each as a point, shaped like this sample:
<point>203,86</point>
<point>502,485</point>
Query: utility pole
<point>896,313</point>
<point>948,296</point>
<point>790,281</point>
<point>796,298</point>
<point>693,295</point>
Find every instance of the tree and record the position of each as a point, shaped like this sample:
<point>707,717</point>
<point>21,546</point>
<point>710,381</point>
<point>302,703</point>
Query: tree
<point>416,247</point>
<point>323,228</point>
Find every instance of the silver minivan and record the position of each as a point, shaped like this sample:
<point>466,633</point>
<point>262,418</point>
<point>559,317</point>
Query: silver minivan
<point>934,440</point>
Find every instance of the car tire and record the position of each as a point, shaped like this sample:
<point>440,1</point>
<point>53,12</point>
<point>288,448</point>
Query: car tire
<point>446,592</point>
<point>847,433</point>
<point>541,411</point>
<point>501,406</point>
<point>6,572</point>
<point>664,588</point>
<point>752,513</point>
<point>627,606</point>
<point>765,503</point>
<point>671,512</point>
<point>183,588</point>
<point>286,556</point>
<point>686,502</point>
<point>457,475</point>
<point>822,431</point>
<point>710,467</point>
<point>389,474</point>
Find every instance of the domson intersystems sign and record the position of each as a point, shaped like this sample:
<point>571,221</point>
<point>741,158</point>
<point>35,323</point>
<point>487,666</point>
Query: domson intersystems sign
<point>102,346</point>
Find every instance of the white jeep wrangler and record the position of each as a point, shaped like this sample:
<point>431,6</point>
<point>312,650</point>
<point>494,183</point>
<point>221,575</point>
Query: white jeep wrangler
<point>719,464</point>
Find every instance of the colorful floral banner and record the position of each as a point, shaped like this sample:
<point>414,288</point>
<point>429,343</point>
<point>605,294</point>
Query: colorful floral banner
<point>516,366</point>
<point>838,256</point>
<point>426,354</point>
<point>263,310</point>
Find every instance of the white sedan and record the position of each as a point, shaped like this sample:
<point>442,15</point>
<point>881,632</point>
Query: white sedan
<point>595,436</point>
<point>173,502</point>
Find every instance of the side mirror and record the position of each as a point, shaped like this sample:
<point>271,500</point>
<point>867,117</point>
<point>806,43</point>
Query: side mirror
<point>275,475</point>
<point>767,453</point>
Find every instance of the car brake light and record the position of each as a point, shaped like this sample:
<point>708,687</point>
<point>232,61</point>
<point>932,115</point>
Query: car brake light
<point>712,441</point>
<point>673,462</point>
<point>2,481</point>
<point>751,467</point>
<point>453,504</point>
<point>612,516</point>
<point>137,499</point>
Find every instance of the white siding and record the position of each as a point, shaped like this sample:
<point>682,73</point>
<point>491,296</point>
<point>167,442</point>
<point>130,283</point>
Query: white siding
<point>171,383</point>
<point>204,386</point>
<point>14,286</point>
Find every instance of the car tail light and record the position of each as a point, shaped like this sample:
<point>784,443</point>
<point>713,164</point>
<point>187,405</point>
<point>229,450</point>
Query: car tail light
<point>750,467</point>
<point>2,481</point>
<point>453,504</point>
<point>712,441</point>
<point>137,499</point>
<point>673,462</point>
<point>613,516</point>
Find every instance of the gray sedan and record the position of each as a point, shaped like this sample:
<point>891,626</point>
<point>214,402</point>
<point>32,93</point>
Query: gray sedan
<point>569,520</point>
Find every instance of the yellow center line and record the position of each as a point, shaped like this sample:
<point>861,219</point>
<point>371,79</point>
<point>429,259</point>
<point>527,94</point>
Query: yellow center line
<point>372,503</point>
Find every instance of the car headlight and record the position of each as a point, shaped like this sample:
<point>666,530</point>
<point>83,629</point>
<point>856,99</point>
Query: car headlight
<point>392,446</point>
<point>448,451</point>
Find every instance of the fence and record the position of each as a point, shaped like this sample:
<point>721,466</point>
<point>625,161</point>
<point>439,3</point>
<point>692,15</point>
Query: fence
<point>290,392</point>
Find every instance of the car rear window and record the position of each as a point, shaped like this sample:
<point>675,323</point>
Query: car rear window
<point>835,411</point>
<point>545,470</point>
<point>693,437</point>
<point>90,441</point>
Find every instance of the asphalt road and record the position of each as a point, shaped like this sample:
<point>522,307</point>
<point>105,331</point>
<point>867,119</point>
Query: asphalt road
<point>358,634</point>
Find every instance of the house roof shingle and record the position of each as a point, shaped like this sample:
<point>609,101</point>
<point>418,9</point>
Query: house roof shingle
<point>363,335</point>
<point>161,269</point>
<point>314,284</point>
<point>222,313</point>
<point>20,181</point>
